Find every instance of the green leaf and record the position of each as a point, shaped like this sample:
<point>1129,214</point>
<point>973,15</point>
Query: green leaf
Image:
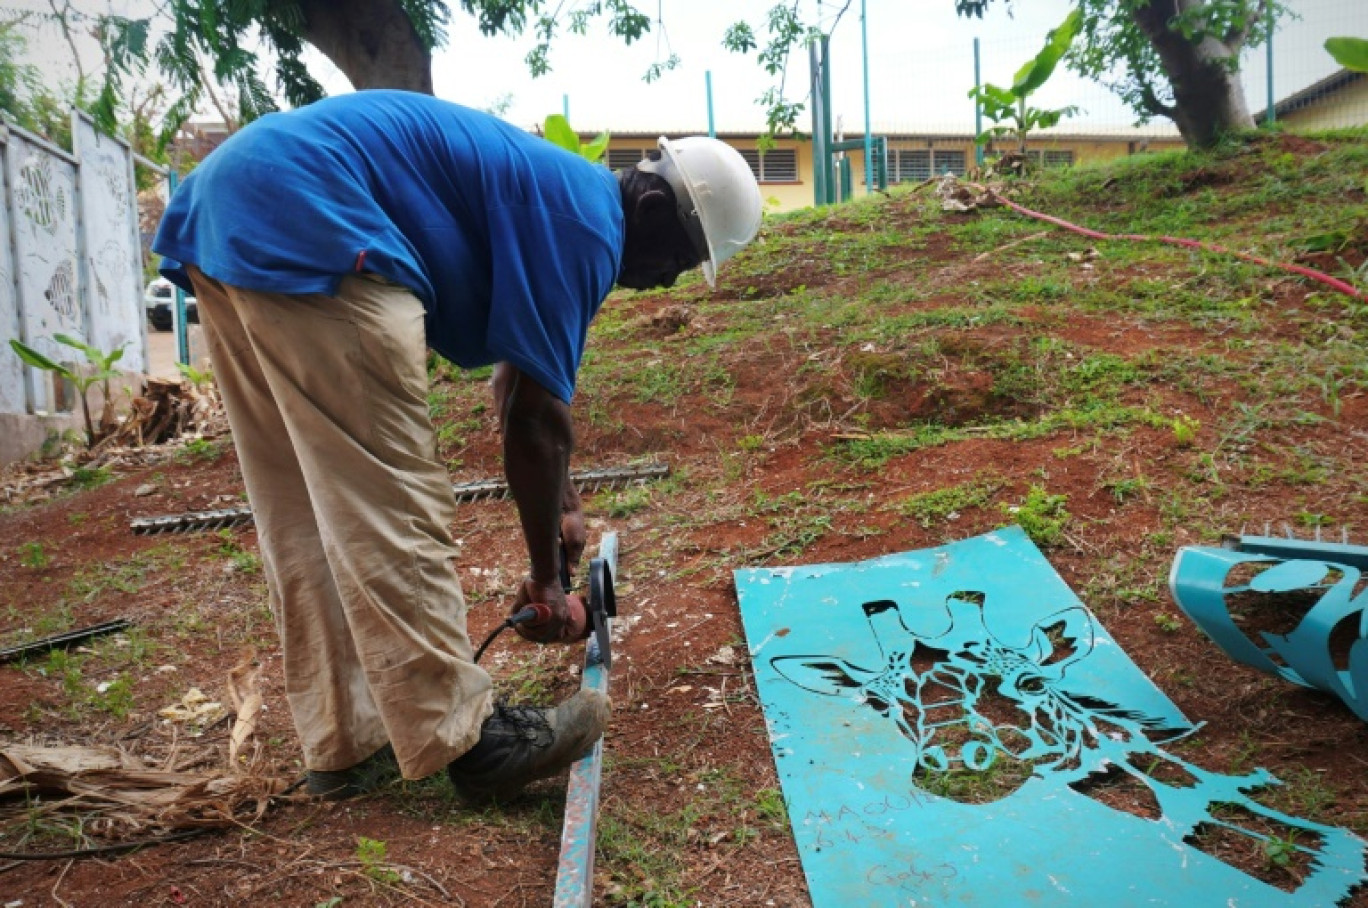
<point>740,39</point>
<point>595,149</point>
<point>1351,53</point>
<point>558,131</point>
<point>92,354</point>
<point>1003,96</point>
<point>1333,241</point>
<point>37,360</point>
<point>1035,73</point>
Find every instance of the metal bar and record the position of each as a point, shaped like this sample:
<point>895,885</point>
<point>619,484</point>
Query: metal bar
<point>150,164</point>
<point>575,878</point>
<point>820,151</point>
<point>978,109</point>
<point>1314,550</point>
<point>479,490</point>
<point>64,639</point>
<point>829,163</point>
<point>182,332</point>
<point>707,82</point>
<point>1271,112</point>
<point>868,141</point>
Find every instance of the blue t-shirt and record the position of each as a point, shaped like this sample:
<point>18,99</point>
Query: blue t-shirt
<point>511,242</point>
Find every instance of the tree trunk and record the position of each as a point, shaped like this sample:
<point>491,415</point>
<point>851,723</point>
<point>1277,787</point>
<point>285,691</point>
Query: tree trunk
<point>373,42</point>
<point>1209,100</point>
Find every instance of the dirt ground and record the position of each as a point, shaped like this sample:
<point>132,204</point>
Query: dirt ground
<point>752,482</point>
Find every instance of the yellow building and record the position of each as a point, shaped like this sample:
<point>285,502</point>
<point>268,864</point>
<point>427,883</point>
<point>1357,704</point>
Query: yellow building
<point>1338,100</point>
<point>785,171</point>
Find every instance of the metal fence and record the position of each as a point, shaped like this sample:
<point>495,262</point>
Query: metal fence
<point>70,259</point>
<point>927,92</point>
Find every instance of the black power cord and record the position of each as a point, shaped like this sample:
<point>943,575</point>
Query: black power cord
<point>531,612</point>
<point>522,617</point>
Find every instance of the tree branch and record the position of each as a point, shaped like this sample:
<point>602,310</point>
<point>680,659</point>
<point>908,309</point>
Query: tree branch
<point>1236,37</point>
<point>1151,102</point>
<point>61,16</point>
<point>207,83</point>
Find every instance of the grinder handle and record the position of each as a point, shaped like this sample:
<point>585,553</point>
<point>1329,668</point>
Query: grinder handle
<point>576,626</point>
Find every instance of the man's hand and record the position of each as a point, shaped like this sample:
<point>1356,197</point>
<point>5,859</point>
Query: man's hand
<point>557,628</point>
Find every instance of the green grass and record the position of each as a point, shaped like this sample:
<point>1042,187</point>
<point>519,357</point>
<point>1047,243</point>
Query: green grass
<point>372,855</point>
<point>929,508</point>
<point>243,561</point>
<point>87,478</point>
<point>112,696</point>
<point>624,502</point>
<point>795,522</point>
<point>200,450</point>
<point>1041,514</point>
<point>33,555</point>
<point>638,845</point>
<point>871,453</point>
<point>125,575</point>
<point>534,678</point>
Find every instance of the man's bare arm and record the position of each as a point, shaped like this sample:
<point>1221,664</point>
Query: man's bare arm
<point>537,440</point>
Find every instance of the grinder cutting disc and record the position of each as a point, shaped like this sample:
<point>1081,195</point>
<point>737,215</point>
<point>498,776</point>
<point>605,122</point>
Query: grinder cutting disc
<point>602,606</point>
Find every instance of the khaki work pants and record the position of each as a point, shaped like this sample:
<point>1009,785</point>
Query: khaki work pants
<point>327,400</point>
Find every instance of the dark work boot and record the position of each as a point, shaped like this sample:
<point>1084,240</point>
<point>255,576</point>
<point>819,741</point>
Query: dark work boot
<point>520,744</point>
<point>371,774</point>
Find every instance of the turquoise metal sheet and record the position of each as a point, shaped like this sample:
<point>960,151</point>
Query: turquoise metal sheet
<point>1328,573</point>
<point>937,716</point>
<point>575,868</point>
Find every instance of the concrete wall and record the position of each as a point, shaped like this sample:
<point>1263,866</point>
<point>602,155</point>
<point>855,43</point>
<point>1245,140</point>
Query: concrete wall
<point>70,265</point>
<point>23,435</point>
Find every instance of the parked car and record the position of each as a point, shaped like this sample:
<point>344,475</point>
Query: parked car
<point>159,299</point>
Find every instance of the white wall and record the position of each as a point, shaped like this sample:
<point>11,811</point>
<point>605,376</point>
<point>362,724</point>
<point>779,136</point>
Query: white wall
<point>71,262</point>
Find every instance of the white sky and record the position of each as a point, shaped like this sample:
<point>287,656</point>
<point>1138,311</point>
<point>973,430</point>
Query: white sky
<point>920,65</point>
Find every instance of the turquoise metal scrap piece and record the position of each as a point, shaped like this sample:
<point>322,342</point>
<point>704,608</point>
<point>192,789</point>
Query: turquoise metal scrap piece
<point>1201,583</point>
<point>575,876</point>
<point>947,725</point>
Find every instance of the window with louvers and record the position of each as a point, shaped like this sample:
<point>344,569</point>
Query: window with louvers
<point>619,158</point>
<point>1059,158</point>
<point>778,165</point>
<point>949,161</point>
<point>753,160</point>
<point>906,165</point>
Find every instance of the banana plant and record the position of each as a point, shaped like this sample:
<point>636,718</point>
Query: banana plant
<point>1351,53</point>
<point>1007,106</point>
<point>557,130</point>
<point>99,369</point>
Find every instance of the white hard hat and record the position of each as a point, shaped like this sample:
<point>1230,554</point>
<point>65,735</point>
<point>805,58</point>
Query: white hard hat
<point>718,198</point>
